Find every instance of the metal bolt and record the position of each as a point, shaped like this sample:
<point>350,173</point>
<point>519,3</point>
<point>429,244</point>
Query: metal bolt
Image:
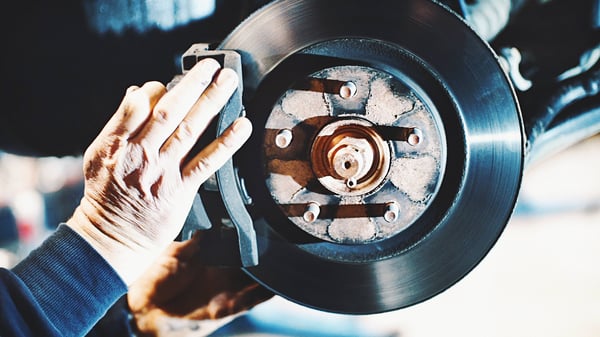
<point>415,137</point>
<point>348,90</point>
<point>283,138</point>
<point>351,183</point>
<point>312,212</point>
<point>391,211</point>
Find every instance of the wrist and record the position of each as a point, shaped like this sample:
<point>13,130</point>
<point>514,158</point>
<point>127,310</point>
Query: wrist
<point>129,260</point>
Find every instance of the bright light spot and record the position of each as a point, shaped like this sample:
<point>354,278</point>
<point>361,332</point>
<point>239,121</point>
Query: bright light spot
<point>117,16</point>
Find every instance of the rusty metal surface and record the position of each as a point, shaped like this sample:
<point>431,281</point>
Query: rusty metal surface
<point>350,154</point>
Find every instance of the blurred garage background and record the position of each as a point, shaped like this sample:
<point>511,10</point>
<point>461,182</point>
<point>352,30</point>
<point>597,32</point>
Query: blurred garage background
<point>65,70</point>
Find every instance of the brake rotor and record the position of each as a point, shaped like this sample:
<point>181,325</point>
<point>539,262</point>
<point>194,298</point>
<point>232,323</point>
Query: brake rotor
<point>387,153</point>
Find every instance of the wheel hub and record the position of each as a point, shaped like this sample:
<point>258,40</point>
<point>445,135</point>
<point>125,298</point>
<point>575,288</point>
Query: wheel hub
<point>369,171</point>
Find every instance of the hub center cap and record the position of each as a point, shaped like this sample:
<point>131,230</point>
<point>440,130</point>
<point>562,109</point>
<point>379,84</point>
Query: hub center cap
<point>349,157</point>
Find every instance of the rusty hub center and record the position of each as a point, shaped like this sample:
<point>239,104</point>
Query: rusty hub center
<point>353,155</point>
<point>349,157</point>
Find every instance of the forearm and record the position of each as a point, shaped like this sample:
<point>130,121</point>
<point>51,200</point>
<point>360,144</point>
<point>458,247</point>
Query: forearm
<point>73,285</point>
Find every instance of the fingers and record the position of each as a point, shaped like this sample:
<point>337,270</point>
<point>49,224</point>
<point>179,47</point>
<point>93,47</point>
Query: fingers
<point>186,250</point>
<point>230,303</point>
<point>249,297</point>
<point>173,121</point>
<point>202,112</point>
<point>211,158</point>
<point>175,105</point>
<point>134,109</point>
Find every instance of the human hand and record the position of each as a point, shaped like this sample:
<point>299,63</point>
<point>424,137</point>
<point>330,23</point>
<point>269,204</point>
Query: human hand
<point>179,286</point>
<point>138,186</point>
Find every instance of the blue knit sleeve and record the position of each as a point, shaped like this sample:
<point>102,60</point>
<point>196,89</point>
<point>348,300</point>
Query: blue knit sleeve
<point>62,288</point>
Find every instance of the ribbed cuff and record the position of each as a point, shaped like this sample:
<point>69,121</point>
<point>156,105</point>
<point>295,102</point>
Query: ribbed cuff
<point>72,283</point>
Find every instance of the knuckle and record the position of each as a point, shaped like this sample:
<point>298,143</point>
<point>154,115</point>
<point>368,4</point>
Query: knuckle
<point>204,165</point>
<point>154,88</point>
<point>212,102</point>
<point>155,84</point>
<point>216,96</point>
<point>180,138</point>
<point>160,114</point>
<point>134,157</point>
<point>166,105</point>
<point>135,99</point>
<point>131,89</point>
<point>229,141</point>
<point>209,97</point>
<point>135,95</point>
<point>185,131</point>
<point>201,77</point>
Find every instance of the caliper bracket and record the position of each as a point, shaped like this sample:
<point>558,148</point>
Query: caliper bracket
<point>227,179</point>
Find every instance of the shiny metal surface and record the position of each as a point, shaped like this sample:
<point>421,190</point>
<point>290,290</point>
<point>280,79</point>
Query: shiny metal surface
<point>456,73</point>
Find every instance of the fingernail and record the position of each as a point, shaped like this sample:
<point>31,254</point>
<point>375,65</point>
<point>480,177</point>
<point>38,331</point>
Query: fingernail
<point>227,77</point>
<point>210,63</point>
<point>240,124</point>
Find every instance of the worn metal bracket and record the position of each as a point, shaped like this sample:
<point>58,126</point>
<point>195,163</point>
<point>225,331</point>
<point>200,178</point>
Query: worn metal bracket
<point>227,179</point>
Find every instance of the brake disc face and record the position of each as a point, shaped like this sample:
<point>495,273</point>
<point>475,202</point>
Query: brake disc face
<point>387,150</point>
